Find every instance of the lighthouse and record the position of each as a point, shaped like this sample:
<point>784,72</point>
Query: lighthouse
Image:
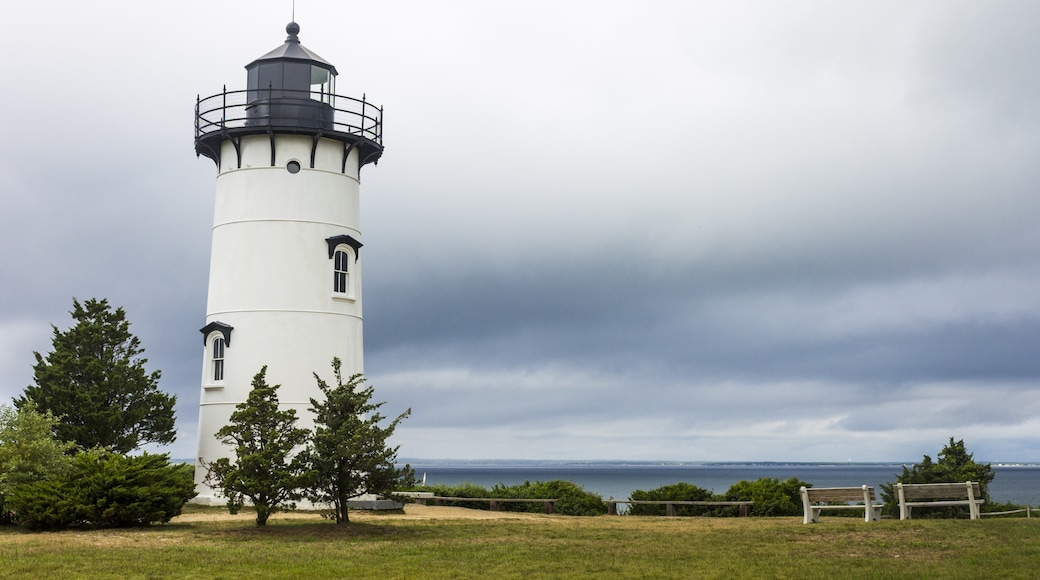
<point>287,251</point>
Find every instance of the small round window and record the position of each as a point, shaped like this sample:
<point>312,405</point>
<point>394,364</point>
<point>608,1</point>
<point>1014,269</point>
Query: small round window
<point>293,167</point>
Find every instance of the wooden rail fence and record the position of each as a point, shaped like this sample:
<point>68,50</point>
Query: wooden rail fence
<point>669,506</point>
<point>424,498</point>
<point>495,502</point>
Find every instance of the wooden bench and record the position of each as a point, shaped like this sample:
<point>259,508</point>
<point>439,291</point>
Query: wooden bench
<point>669,506</point>
<point>938,495</point>
<point>865,494</point>
<point>493,501</point>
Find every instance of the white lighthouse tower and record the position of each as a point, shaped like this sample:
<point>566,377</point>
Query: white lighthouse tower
<point>285,267</point>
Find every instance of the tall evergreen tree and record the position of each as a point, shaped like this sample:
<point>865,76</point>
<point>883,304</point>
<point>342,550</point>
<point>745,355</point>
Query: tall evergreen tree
<point>94,380</point>
<point>270,466</point>
<point>350,456</point>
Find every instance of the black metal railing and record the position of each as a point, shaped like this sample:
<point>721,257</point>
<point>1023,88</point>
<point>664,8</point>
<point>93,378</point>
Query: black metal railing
<point>287,110</point>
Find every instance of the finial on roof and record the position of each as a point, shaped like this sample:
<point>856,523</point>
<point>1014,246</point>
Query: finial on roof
<point>293,29</point>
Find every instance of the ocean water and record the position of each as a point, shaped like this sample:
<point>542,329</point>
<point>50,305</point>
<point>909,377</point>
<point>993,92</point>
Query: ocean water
<point>1019,484</point>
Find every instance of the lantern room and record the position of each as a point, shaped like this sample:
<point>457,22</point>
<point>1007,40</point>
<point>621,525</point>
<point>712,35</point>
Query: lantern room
<point>290,90</point>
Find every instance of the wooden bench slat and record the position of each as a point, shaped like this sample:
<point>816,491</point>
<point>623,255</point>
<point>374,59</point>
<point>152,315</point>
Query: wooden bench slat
<point>839,494</point>
<point>939,490</point>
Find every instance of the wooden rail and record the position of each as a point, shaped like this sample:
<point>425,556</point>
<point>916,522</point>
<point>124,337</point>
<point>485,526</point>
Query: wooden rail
<point>424,498</point>
<point>550,504</point>
<point>669,506</point>
<point>1028,510</point>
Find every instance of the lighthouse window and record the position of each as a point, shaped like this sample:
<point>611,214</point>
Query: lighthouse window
<point>293,167</point>
<point>323,85</point>
<point>341,272</point>
<point>218,358</point>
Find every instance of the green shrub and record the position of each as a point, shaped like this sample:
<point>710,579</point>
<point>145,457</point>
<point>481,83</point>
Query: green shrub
<point>48,504</point>
<point>772,496</point>
<point>573,499</point>
<point>105,490</point>
<point>675,492</point>
<point>28,450</point>
<point>462,490</point>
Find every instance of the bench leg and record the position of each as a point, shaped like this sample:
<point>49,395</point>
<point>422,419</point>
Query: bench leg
<point>874,513</point>
<point>904,512</point>
<point>815,517</point>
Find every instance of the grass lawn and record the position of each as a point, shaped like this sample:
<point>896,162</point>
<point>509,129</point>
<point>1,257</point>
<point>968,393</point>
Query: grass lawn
<point>446,545</point>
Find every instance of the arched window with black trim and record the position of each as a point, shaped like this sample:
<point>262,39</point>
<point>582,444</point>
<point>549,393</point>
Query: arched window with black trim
<point>218,359</point>
<point>341,272</point>
<point>343,250</point>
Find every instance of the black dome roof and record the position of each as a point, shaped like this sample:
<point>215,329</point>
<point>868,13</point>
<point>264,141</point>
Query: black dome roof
<point>293,50</point>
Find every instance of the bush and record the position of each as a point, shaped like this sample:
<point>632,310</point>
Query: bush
<point>772,497</point>
<point>674,492</point>
<point>47,504</point>
<point>573,499</point>
<point>105,490</point>
<point>463,490</point>
<point>28,450</point>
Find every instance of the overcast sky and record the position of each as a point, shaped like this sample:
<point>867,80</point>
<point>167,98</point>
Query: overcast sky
<point>780,231</point>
